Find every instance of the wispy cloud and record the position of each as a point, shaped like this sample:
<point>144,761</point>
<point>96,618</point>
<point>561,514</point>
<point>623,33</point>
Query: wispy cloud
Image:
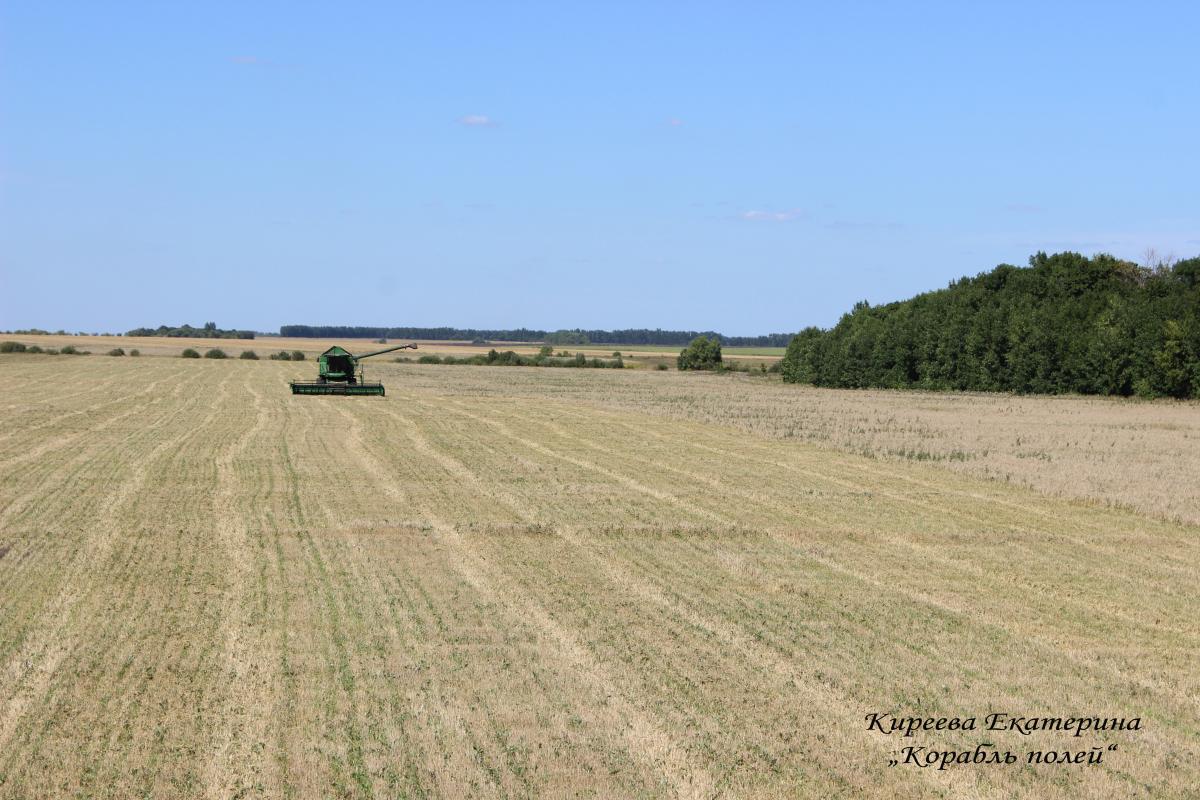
<point>478,121</point>
<point>774,216</point>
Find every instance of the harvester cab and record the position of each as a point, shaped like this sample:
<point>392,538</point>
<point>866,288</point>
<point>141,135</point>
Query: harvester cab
<point>338,372</point>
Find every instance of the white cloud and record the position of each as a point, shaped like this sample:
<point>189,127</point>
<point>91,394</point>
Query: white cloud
<point>477,121</point>
<point>774,216</point>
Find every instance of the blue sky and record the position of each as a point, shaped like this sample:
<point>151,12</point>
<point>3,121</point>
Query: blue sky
<point>744,167</point>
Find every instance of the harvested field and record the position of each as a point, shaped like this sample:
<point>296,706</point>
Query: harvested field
<point>505,582</point>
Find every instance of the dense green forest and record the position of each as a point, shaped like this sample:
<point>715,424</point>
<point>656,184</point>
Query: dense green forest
<point>627,336</point>
<point>1065,323</point>
<point>209,331</point>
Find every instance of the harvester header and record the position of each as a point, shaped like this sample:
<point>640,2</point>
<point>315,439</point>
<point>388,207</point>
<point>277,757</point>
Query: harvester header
<point>338,372</point>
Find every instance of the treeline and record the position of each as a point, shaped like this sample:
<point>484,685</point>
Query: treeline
<point>627,336</point>
<point>509,358</point>
<point>442,334</point>
<point>209,331</point>
<point>635,336</point>
<point>1065,323</point>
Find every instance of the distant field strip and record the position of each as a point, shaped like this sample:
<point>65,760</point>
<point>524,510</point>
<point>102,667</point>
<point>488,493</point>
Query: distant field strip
<point>476,587</point>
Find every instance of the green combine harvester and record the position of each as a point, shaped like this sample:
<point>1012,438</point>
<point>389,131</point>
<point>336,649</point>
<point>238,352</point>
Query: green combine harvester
<point>340,373</point>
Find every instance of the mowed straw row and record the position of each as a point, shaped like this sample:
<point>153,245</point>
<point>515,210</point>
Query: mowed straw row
<point>213,588</point>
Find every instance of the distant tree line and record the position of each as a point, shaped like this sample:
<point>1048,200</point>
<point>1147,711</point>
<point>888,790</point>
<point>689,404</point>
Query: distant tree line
<point>509,358</point>
<point>1065,323</point>
<point>627,336</point>
<point>209,331</point>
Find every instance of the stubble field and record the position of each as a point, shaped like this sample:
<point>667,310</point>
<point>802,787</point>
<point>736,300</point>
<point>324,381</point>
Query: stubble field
<point>503,582</point>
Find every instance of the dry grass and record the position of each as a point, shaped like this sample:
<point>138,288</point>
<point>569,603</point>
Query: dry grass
<point>1128,453</point>
<point>510,583</point>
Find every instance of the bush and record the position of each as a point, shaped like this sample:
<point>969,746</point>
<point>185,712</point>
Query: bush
<point>616,353</point>
<point>216,352</point>
<point>33,348</point>
<point>249,355</point>
<point>297,355</point>
<point>661,366</point>
<point>70,350</point>
<point>12,347</point>
<point>702,353</point>
<point>189,353</point>
<point>135,352</point>
<point>429,360</point>
<point>282,355</point>
<point>116,351</point>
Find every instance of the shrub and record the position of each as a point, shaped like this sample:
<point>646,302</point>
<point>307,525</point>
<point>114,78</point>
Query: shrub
<point>12,347</point>
<point>116,351</point>
<point>249,355</point>
<point>297,355</point>
<point>545,351</point>
<point>33,348</point>
<point>702,353</point>
<point>282,355</point>
<point>189,353</point>
<point>616,353</point>
<point>216,352</point>
<point>135,352</point>
<point>69,350</point>
<point>661,365</point>
<point>429,360</point>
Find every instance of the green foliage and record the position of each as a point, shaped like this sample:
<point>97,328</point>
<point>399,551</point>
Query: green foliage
<point>249,355</point>
<point>209,331</point>
<point>216,352</point>
<point>116,351</point>
<point>702,353</point>
<point>627,336</point>
<point>189,353</point>
<point>510,358</point>
<point>135,352</point>
<point>33,348</point>
<point>297,355</point>
<point>12,347</point>
<point>1066,323</point>
<point>567,337</point>
<point>282,355</point>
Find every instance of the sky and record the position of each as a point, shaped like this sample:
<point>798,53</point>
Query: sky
<point>742,167</point>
